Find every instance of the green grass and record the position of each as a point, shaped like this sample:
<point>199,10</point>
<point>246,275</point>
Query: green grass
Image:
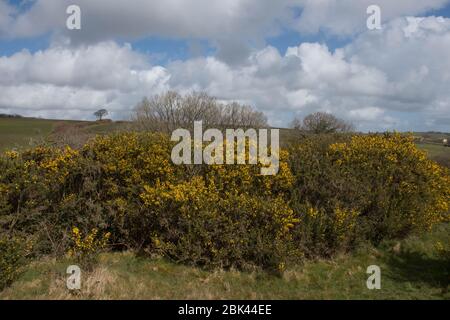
<point>17,133</point>
<point>412,270</point>
<point>438,153</point>
<point>432,137</point>
<point>20,132</point>
<point>435,150</point>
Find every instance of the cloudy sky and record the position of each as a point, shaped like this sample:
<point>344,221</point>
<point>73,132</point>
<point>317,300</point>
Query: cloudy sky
<point>284,57</point>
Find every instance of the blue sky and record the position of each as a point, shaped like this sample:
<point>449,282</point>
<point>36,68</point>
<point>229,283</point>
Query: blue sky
<point>285,58</point>
<point>169,49</point>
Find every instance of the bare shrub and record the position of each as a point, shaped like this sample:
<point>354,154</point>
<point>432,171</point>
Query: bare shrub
<point>169,111</point>
<point>322,122</point>
<point>237,115</point>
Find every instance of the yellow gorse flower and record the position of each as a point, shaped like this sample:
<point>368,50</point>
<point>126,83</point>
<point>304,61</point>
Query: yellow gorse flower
<point>88,245</point>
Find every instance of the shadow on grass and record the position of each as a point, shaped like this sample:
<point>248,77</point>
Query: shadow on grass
<point>419,268</point>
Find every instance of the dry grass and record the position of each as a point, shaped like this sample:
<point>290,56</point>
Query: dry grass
<point>411,269</point>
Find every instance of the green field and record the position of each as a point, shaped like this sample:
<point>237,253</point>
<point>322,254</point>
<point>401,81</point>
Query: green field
<point>434,150</point>
<point>438,153</point>
<point>20,132</point>
<point>16,133</point>
<point>410,269</point>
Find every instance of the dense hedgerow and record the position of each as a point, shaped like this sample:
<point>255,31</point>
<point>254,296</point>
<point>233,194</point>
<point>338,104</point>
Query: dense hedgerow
<point>365,187</point>
<point>330,193</point>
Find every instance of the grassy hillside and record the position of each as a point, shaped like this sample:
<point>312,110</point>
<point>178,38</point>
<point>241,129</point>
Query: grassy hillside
<point>433,137</point>
<point>22,132</point>
<point>434,150</point>
<point>411,269</point>
<point>19,132</point>
<point>439,153</point>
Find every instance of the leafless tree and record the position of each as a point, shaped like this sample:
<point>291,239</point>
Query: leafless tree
<point>171,110</point>
<point>321,122</point>
<point>237,115</point>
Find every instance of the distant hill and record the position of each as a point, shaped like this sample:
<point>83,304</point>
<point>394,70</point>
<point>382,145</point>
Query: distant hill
<point>4,115</point>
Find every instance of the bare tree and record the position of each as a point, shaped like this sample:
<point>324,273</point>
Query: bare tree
<point>171,110</point>
<point>297,123</point>
<point>322,122</point>
<point>236,115</point>
<point>100,114</point>
<point>158,113</point>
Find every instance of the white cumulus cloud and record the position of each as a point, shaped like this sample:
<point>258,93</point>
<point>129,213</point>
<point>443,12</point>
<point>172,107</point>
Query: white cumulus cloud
<point>394,78</point>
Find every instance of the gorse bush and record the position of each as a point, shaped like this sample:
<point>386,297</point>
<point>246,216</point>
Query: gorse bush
<point>411,191</point>
<point>330,193</point>
<point>85,249</point>
<point>13,252</point>
<point>127,185</point>
<point>365,187</point>
<point>217,221</point>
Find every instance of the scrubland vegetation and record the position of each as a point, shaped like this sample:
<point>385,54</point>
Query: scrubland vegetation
<point>116,205</point>
<point>332,195</point>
